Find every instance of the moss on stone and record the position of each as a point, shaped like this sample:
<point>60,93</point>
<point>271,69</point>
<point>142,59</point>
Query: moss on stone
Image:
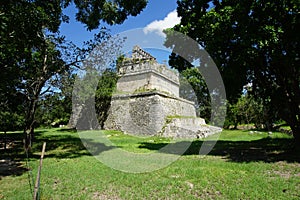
<point>179,117</point>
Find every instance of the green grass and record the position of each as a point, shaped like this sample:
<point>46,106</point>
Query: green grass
<point>242,165</point>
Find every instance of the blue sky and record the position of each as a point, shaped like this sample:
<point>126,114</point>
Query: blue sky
<point>155,10</point>
<point>156,16</point>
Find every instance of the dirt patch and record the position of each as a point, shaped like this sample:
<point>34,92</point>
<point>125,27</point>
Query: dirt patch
<point>103,196</point>
<point>283,172</point>
<point>208,194</point>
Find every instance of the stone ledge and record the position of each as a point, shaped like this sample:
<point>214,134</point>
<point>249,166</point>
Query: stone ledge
<point>150,93</point>
<point>190,128</point>
<point>167,77</point>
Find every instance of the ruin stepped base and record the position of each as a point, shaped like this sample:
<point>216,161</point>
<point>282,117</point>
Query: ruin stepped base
<point>190,128</point>
<point>155,113</point>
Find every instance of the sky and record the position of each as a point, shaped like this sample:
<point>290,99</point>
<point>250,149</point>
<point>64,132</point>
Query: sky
<point>157,16</point>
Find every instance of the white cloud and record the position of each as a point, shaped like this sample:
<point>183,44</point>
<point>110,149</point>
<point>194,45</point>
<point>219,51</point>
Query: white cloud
<point>158,26</point>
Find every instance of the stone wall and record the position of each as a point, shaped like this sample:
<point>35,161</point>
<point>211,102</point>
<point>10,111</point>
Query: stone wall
<point>147,101</point>
<point>181,127</point>
<point>131,67</point>
<point>138,53</point>
<point>75,115</point>
<point>145,113</point>
<point>147,75</point>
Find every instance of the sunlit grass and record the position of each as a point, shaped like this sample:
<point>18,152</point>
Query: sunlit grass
<point>242,165</point>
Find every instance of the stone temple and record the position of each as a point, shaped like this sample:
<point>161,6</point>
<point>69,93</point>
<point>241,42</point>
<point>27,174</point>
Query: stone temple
<point>147,101</point>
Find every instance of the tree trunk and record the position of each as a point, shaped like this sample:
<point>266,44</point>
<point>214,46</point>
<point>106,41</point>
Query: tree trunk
<point>29,125</point>
<point>5,141</point>
<point>296,133</point>
<point>294,123</point>
<point>30,115</point>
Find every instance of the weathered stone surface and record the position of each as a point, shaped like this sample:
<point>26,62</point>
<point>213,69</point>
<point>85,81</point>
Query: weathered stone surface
<point>138,53</point>
<point>188,128</point>
<point>75,115</point>
<point>145,113</point>
<point>136,77</point>
<point>147,102</point>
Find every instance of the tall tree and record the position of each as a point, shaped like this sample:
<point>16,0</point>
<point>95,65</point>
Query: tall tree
<point>106,87</point>
<point>55,107</point>
<point>92,12</point>
<point>200,94</point>
<point>251,42</point>
<point>32,51</point>
<point>249,109</point>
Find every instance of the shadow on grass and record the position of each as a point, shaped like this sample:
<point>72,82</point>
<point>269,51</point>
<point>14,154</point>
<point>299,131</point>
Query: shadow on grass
<point>64,145</point>
<point>69,145</point>
<point>266,149</point>
<point>70,130</point>
<point>12,154</point>
<point>10,167</point>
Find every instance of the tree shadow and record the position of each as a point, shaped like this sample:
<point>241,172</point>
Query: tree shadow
<point>11,145</point>
<point>12,154</point>
<point>72,130</point>
<point>13,158</point>
<point>266,149</point>
<point>69,146</point>
<point>10,167</point>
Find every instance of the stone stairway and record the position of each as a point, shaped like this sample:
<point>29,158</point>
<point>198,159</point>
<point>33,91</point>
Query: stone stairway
<point>185,127</point>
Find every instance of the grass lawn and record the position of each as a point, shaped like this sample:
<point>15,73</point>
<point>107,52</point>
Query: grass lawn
<point>242,165</point>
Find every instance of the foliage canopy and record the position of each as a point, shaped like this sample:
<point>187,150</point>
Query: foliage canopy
<point>254,42</point>
<point>33,54</point>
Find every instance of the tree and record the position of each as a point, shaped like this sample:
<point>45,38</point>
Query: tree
<point>55,107</point>
<point>11,118</point>
<point>200,91</point>
<point>95,83</point>
<point>92,12</point>
<point>250,109</point>
<point>33,52</point>
<point>253,42</point>
<point>106,87</point>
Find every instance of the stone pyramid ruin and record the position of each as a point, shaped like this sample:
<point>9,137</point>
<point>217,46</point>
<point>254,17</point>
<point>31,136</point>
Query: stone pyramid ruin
<point>147,101</point>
